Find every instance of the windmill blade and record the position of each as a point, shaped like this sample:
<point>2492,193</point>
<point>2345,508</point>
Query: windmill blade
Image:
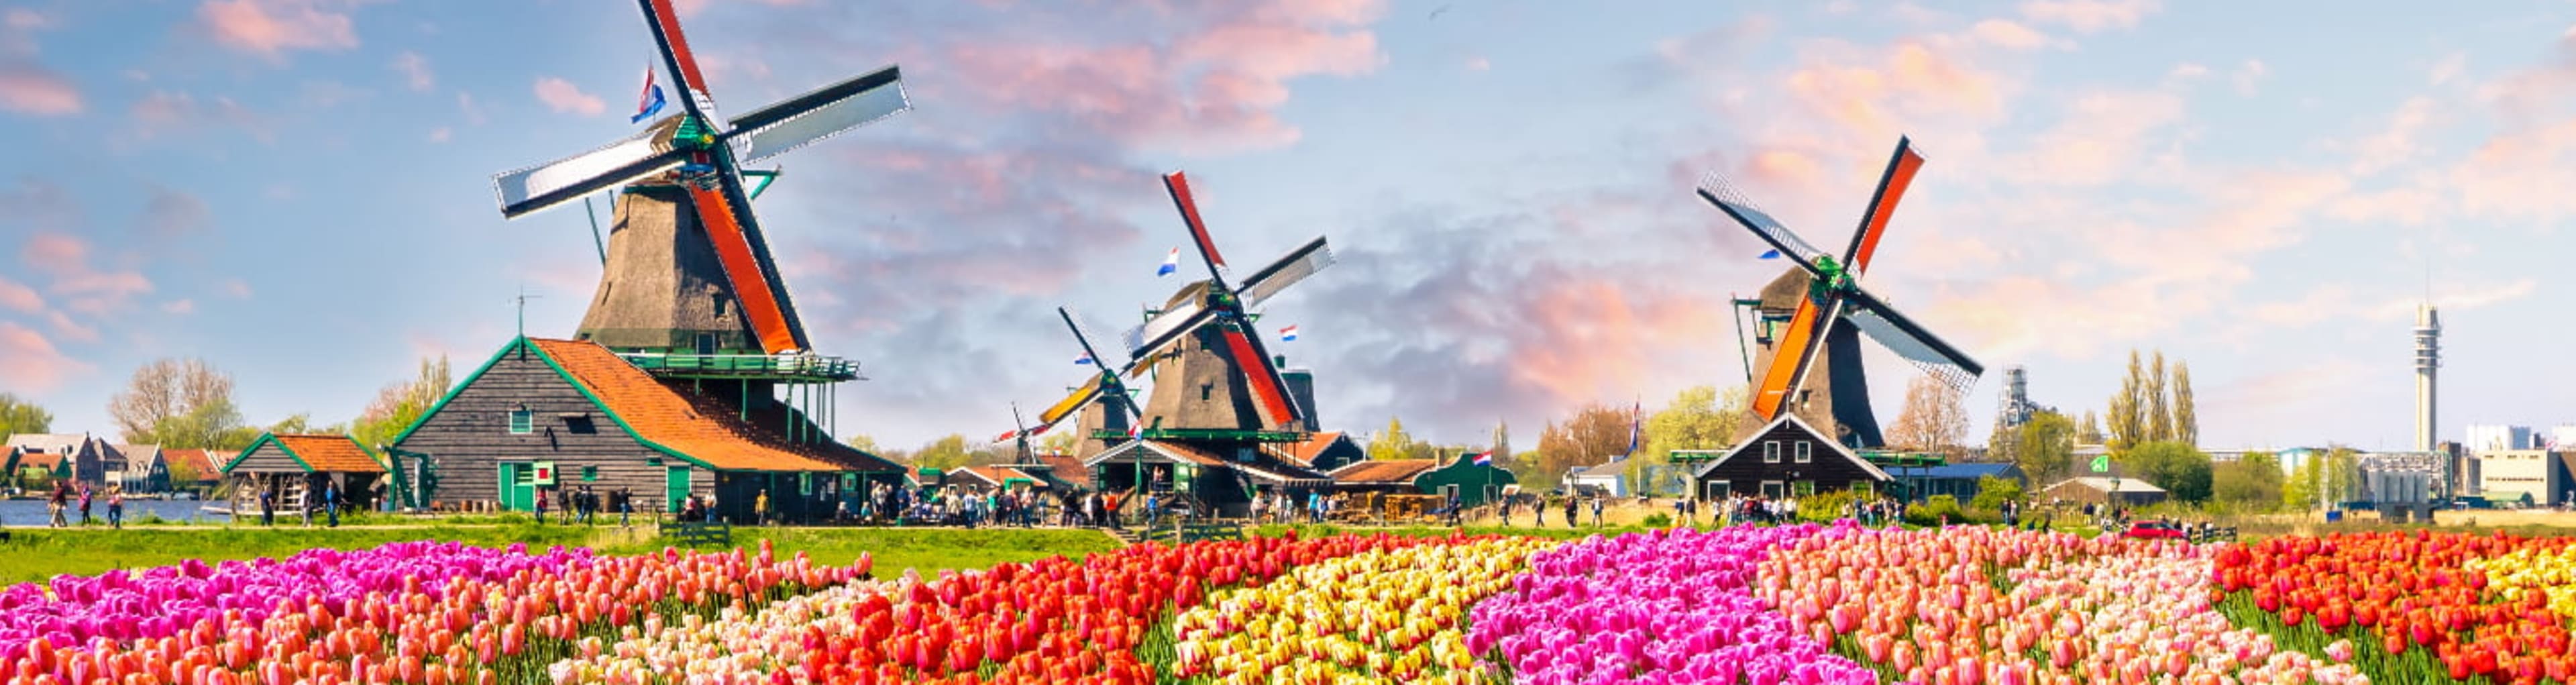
<point>1912,341</point>
<point>1081,328</point>
<point>827,111</point>
<point>1269,391</point>
<point>1882,204</point>
<point>1179,187</point>
<point>732,233</point>
<point>1295,266</point>
<point>1796,351</point>
<point>1081,397</point>
<point>541,187</point>
<point>1717,190</point>
<point>1143,341</point>
<point>679,61</point>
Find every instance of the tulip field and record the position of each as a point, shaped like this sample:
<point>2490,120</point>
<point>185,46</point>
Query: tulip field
<point>1792,604</point>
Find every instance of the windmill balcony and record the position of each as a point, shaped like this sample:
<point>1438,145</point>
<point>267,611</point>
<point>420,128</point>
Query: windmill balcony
<point>791,367</point>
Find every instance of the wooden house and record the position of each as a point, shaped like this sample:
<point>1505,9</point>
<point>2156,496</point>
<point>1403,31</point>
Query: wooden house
<point>2131,492</point>
<point>557,415</point>
<point>1226,485</point>
<point>1321,452</point>
<point>198,468</point>
<point>139,468</point>
<point>1787,458</point>
<point>995,477</point>
<point>79,459</point>
<point>294,470</point>
<point>1473,483</point>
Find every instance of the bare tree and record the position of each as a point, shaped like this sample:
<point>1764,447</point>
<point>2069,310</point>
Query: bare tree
<point>1934,419</point>
<point>172,390</point>
<point>400,404</point>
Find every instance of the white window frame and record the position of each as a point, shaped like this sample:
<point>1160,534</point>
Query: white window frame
<point>1806,452</point>
<point>1770,451</point>
<point>522,421</point>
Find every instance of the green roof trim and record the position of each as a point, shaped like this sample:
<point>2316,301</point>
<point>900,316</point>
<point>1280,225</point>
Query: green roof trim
<point>266,439</point>
<point>460,387</point>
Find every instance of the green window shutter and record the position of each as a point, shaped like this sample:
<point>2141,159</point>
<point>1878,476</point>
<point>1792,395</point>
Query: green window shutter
<point>589,474</point>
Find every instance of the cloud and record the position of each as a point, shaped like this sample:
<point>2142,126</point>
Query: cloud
<point>2089,16</point>
<point>35,90</point>
<point>235,288</point>
<point>173,213</point>
<point>17,296</point>
<point>180,306</point>
<point>440,134</point>
<point>164,113</point>
<point>2008,34</point>
<point>2249,76</point>
<point>415,71</point>
<point>2448,68</point>
<point>1479,63</point>
<point>85,288</point>
<point>2103,138</point>
<point>20,18</point>
<point>473,112</point>
<point>562,96</point>
<point>273,27</point>
<point>31,363</point>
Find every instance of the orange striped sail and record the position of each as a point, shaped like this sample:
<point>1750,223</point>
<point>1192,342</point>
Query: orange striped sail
<point>1780,379</point>
<point>750,287</point>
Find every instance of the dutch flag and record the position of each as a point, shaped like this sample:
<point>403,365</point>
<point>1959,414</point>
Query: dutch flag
<point>1084,360</point>
<point>1485,458</point>
<point>1135,430</point>
<point>1770,254</point>
<point>1171,263</point>
<point>650,102</point>
<point>1289,333</point>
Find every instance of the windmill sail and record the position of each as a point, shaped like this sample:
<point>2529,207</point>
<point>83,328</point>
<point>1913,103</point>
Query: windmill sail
<point>823,113</point>
<point>1145,340</point>
<point>1081,397</point>
<point>1912,341</point>
<point>1296,266</point>
<point>537,188</point>
<point>1719,191</point>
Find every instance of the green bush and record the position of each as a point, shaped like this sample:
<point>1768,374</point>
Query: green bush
<point>1931,511</point>
<point>1657,520</point>
<point>1824,507</point>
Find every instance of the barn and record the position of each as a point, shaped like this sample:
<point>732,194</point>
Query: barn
<point>295,469</point>
<point>564,415</point>
<point>1787,458</point>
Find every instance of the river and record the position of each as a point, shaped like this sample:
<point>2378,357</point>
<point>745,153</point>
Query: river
<point>29,512</point>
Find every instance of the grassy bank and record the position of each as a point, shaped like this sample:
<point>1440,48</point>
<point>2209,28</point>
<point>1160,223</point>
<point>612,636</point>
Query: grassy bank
<point>35,554</point>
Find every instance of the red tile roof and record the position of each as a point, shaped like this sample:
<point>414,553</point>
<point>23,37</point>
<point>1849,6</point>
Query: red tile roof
<point>1067,468</point>
<point>335,453</point>
<point>1304,453</point>
<point>204,463</point>
<point>1187,453</point>
<point>998,475</point>
<point>701,428</point>
<point>1383,471</point>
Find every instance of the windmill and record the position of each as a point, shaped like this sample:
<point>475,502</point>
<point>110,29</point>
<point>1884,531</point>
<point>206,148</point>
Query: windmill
<point>1818,304</point>
<point>1107,409</point>
<point>1213,375</point>
<point>716,288</point>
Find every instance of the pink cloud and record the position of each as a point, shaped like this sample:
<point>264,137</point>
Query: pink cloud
<point>415,71</point>
<point>180,306</point>
<point>30,362</point>
<point>30,89</point>
<point>18,296</point>
<point>272,27</point>
<point>86,289</point>
<point>23,19</point>
<point>562,96</point>
<point>2011,35</point>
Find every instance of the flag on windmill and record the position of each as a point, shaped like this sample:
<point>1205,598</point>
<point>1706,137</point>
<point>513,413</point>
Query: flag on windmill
<point>1006,436</point>
<point>1085,359</point>
<point>1288,334</point>
<point>1485,458</point>
<point>1135,430</point>
<point>650,102</point>
<point>1171,263</point>
<point>1770,254</point>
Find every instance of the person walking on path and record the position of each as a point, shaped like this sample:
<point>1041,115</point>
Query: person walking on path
<point>625,507</point>
<point>760,509</point>
<point>1596,512</point>
<point>331,503</point>
<point>1570,520</point>
<point>84,506</point>
<point>59,504</point>
<point>116,508</point>
<point>541,506</point>
<point>267,508</point>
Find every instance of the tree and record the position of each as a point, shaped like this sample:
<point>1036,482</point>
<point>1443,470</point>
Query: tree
<point>1597,433</point>
<point>2044,447</point>
<point>1395,443</point>
<point>2182,470</point>
<point>945,454</point>
<point>400,404</point>
<point>21,416</point>
<point>863,443</point>
<point>2323,478</point>
<point>1993,492</point>
<point>2127,422</point>
<point>2159,410</point>
<point>2251,483</point>
<point>167,390</point>
<point>1699,418</point>
<point>2186,421</point>
<point>1502,448</point>
<point>1059,441</point>
<point>1933,420</point>
<point>212,426</point>
<point>302,423</point>
<point>2090,431</point>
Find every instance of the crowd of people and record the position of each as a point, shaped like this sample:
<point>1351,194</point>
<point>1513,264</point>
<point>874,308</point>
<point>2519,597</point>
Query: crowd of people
<point>59,506</point>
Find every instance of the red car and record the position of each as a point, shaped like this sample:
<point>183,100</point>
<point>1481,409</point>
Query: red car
<point>2155,530</point>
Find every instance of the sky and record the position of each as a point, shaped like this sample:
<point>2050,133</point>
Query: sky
<point>298,192</point>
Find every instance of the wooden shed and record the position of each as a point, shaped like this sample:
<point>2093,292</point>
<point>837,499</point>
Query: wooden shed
<point>562,415</point>
<point>294,469</point>
<point>1787,458</point>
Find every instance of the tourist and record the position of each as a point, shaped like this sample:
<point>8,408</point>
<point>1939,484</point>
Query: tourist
<point>541,506</point>
<point>760,509</point>
<point>1570,505</point>
<point>116,508</point>
<point>625,507</point>
<point>331,502</point>
<point>59,503</point>
<point>268,507</point>
<point>1538,510</point>
<point>84,505</point>
<point>1506,507</point>
<point>1596,512</point>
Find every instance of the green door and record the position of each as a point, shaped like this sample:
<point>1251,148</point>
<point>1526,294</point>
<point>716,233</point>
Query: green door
<point>518,487</point>
<point>675,488</point>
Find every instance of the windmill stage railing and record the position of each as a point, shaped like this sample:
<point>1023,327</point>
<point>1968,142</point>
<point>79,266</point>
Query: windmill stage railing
<point>804,367</point>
